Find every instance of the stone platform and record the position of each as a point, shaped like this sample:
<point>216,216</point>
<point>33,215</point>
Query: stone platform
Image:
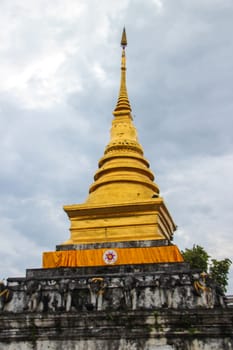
<point>162,329</point>
<point>146,306</point>
<point>112,288</point>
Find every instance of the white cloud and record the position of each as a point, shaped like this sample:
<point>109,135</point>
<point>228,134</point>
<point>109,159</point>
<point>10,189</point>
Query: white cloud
<point>99,72</point>
<point>159,4</point>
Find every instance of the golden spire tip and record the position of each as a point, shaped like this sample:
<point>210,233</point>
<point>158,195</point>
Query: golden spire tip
<point>123,105</point>
<point>124,39</point>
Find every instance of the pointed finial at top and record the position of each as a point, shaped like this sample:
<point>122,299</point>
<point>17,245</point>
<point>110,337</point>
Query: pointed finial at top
<point>124,39</point>
<point>123,105</point>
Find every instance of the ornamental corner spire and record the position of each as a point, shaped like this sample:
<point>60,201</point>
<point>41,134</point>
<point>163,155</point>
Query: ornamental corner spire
<point>123,105</point>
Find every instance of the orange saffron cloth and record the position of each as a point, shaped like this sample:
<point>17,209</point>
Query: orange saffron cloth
<point>94,257</point>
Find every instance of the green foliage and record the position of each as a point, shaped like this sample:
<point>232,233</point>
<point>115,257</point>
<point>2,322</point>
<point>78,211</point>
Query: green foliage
<point>196,257</point>
<point>219,272</point>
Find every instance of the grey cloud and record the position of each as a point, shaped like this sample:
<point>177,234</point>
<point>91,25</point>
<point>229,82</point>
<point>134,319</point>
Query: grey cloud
<point>55,120</point>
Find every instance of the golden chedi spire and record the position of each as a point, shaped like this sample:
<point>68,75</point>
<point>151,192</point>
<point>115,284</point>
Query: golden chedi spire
<point>124,217</point>
<point>123,202</point>
<point>124,173</point>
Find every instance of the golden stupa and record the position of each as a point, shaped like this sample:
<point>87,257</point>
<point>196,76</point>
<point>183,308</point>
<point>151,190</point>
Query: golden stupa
<point>124,220</point>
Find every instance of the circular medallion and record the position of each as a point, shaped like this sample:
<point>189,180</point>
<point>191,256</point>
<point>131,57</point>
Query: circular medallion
<point>110,256</point>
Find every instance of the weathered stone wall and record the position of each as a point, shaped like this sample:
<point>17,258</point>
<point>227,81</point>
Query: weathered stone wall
<point>135,330</point>
<point>54,290</point>
<point>149,307</point>
<point>121,344</point>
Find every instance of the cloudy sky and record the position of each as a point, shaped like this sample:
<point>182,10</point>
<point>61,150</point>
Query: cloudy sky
<point>59,68</point>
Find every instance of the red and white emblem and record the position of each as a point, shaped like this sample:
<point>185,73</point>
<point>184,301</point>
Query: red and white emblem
<point>110,256</point>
